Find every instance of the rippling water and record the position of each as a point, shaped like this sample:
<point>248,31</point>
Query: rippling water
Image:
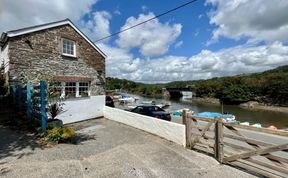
<point>265,118</point>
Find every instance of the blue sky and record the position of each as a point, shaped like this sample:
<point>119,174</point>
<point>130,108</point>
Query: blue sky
<point>209,38</point>
<point>196,30</point>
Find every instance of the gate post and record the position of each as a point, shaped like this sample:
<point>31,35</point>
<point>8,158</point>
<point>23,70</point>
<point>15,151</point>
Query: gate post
<point>14,94</point>
<point>19,90</point>
<point>219,154</point>
<point>28,101</point>
<point>43,104</point>
<point>184,116</point>
<point>188,128</point>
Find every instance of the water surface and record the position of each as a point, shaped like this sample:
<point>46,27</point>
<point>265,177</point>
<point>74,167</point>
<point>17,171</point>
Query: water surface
<point>265,118</point>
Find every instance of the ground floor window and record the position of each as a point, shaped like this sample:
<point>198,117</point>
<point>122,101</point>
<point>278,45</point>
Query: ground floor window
<point>84,88</point>
<point>70,89</point>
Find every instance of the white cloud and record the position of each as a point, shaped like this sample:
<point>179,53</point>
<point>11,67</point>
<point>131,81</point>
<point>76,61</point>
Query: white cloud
<point>119,62</point>
<point>206,64</point>
<point>153,38</point>
<point>18,13</point>
<point>259,20</point>
<point>98,26</point>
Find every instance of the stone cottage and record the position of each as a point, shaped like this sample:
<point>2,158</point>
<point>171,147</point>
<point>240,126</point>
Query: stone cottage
<point>61,53</point>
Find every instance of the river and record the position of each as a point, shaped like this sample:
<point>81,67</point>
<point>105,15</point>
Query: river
<point>265,118</point>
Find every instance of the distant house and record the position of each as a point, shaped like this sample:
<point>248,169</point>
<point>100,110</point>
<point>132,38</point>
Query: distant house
<point>61,52</point>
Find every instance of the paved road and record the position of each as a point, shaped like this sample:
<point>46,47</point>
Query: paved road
<point>106,149</point>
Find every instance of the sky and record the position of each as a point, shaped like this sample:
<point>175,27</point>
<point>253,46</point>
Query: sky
<point>206,39</point>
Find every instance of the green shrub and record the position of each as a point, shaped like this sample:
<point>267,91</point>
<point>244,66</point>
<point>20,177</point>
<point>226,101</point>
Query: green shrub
<point>59,134</point>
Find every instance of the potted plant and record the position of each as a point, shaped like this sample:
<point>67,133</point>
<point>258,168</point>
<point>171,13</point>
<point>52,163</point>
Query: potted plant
<point>54,110</point>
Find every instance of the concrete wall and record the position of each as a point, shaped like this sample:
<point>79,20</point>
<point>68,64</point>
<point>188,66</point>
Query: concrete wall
<point>168,130</point>
<point>80,109</point>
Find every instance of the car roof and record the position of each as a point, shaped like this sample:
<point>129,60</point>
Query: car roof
<point>147,106</point>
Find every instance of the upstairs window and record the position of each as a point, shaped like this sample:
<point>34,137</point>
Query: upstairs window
<point>68,47</point>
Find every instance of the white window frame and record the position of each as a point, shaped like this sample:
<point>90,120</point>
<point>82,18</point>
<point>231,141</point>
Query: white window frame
<point>74,48</point>
<point>77,91</point>
<point>78,88</point>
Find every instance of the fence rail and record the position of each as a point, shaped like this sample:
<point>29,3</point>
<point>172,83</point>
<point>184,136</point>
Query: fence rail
<point>259,150</point>
<point>31,101</point>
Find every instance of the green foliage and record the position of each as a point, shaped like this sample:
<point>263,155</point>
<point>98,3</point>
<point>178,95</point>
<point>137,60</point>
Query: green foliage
<point>209,88</point>
<point>133,87</point>
<point>269,87</point>
<point>236,94</point>
<point>59,134</point>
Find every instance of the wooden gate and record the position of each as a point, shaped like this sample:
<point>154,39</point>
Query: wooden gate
<point>258,150</point>
<point>31,101</point>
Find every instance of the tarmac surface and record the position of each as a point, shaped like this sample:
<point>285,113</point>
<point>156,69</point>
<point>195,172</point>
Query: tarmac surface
<point>106,149</point>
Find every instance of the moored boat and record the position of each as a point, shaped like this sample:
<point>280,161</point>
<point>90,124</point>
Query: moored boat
<point>126,99</point>
<point>258,125</point>
<point>180,112</point>
<point>225,117</point>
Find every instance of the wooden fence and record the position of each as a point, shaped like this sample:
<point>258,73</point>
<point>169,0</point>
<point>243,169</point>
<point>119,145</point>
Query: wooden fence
<point>258,150</point>
<point>31,101</point>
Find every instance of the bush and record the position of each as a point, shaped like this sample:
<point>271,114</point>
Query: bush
<point>59,134</point>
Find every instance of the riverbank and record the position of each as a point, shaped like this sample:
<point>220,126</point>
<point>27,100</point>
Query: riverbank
<point>251,105</point>
<point>256,106</point>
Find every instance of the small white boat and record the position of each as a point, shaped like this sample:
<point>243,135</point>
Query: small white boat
<point>147,102</point>
<point>258,125</point>
<point>245,123</point>
<point>126,99</point>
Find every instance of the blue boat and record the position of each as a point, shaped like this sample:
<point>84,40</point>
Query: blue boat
<point>226,117</point>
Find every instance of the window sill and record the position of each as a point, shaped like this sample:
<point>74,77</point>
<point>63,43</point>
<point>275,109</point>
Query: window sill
<point>77,98</point>
<point>69,56</point>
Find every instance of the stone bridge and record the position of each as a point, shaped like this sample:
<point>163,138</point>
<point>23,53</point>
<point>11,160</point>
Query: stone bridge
<point>177,92</point>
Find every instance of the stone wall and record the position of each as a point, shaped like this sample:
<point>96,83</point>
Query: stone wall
<point>38,56</point>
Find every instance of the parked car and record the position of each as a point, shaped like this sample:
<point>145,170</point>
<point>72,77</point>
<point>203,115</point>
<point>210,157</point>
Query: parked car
<point>152,111</point>
<point>109,101</point>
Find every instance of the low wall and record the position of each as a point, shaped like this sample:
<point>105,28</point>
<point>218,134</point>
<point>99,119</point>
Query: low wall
<point>80,109</point>
<point>168,130</point>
